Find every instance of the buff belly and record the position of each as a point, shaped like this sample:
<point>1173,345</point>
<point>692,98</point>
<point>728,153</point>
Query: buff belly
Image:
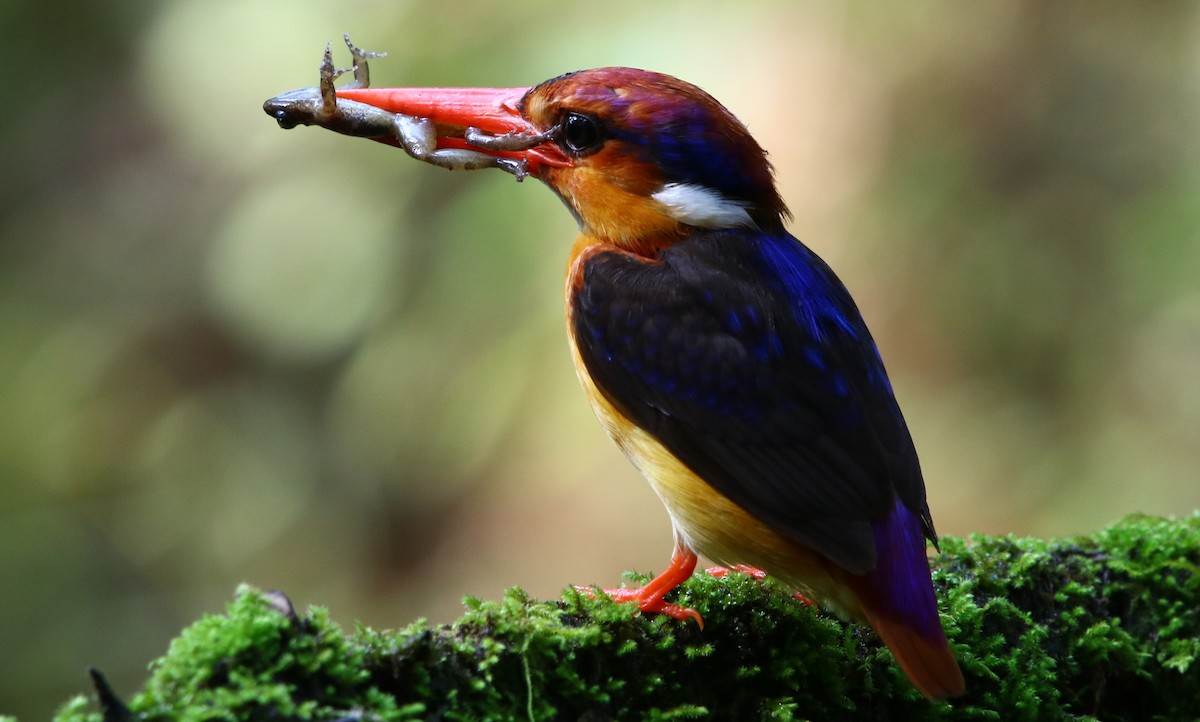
<point>709,523</point>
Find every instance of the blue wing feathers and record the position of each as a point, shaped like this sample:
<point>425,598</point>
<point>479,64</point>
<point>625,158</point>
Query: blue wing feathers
<point>749,360</point>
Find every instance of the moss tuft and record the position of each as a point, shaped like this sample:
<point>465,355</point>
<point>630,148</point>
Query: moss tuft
<point>1105,627</point>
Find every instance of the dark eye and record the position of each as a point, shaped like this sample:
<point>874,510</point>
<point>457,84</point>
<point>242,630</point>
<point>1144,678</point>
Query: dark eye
<point>581,132</point>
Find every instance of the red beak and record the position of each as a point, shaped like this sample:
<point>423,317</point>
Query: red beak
<point>453,110</point>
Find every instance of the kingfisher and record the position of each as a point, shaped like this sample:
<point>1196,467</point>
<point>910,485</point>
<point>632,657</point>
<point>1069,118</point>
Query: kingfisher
<point>722,355</point>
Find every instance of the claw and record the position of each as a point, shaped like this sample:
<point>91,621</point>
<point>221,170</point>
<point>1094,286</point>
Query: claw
<point>647,602</point>
<point>754,573</point>
<point>722,572</point>
<point>649,596</point>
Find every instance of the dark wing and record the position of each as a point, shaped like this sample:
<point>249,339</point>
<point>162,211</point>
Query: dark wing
<point>747,359</point>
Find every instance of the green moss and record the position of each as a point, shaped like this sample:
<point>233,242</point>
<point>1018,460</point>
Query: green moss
<point>1088,628</point>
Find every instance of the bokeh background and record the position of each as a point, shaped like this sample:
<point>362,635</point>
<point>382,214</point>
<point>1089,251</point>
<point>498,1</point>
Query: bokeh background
<point>231,353</point>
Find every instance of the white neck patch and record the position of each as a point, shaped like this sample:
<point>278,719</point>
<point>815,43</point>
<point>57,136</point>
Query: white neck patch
<point>701,206</point>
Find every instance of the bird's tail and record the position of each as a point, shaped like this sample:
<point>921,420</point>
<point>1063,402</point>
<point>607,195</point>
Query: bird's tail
<point>897,599</point>
<point>929,663</point>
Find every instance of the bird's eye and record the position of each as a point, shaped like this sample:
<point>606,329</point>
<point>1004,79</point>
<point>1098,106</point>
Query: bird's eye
<point>581,133</point>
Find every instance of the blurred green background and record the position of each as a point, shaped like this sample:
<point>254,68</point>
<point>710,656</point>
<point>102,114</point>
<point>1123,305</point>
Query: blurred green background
<point>231,353</point>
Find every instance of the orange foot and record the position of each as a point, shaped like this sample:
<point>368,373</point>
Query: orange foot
<point>753,573</point>
<point>722,572</point>
<point>649,596</point>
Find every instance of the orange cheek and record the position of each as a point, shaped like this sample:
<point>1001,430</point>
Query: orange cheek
<point>614,213</point>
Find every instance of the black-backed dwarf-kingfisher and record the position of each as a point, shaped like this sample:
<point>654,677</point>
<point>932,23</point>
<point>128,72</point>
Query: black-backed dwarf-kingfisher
<point>722,355</point>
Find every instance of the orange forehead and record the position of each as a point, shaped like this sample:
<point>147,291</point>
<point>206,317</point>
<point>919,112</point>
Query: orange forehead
<point>626,96</point>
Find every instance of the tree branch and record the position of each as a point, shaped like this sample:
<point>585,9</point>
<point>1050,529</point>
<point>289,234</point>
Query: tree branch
<point>1100,627</point>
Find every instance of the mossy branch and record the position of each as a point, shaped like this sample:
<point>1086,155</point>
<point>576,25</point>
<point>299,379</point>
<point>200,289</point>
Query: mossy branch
<point>1105,627</point>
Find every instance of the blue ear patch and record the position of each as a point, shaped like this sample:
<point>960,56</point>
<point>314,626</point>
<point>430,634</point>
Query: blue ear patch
<point>687,149</point>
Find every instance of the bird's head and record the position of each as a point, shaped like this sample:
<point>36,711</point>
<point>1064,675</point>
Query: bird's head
<point>639,157</point>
